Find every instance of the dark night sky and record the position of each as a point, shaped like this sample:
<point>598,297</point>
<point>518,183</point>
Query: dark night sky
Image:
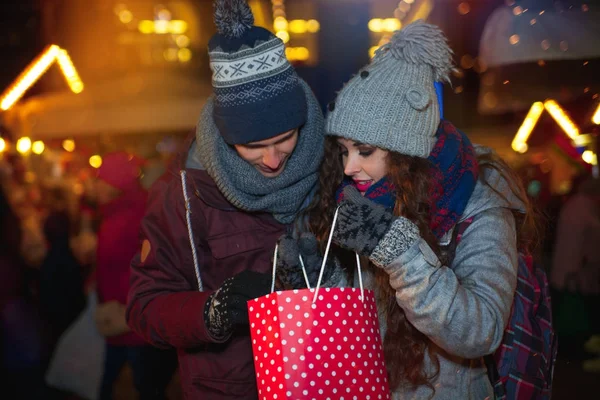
<point>20,39</point>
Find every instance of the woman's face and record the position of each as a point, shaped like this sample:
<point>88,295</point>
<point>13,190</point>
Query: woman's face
<point>364,163</point>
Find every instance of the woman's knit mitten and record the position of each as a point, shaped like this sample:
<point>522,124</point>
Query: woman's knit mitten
<point>289,269</point>
<point>371,230</point>
<point>312,257</point>
<point>402,234</point>
<point>361,223</point>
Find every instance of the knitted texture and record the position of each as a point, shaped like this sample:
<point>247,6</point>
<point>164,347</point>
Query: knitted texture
<point>392,103</point>
<point>454,171</point>
<point>258,95</point>
<point>233,18</point>
<point>399,238</point>
<point>381,192</point>
<point>227,308</point>
<point>361,223</point>
<point>244,186</point>
<point>289,269</point>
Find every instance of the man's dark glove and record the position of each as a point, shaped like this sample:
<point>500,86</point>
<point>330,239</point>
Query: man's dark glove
<point>289,269</point>
<point>227,307</point>
<point>361,223</point>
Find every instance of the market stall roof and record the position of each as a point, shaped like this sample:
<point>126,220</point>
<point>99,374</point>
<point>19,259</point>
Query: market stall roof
<point>514,35</point>
<point>532,54</point>
<point>150,102</point>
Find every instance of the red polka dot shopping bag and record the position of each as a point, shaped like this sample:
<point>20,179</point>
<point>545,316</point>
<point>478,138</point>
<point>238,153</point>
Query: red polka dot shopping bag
<point>321,343</point>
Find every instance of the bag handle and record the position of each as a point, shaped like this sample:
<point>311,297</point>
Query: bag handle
<point>275,267</point>
<point>362,292</point>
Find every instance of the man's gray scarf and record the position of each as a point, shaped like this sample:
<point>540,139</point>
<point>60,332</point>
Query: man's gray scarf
<point>245,187</point>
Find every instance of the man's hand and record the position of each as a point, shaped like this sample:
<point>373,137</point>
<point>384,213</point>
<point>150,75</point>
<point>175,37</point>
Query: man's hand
<point>227,307</point>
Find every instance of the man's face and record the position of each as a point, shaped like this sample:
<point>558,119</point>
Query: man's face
<point>269,156</point>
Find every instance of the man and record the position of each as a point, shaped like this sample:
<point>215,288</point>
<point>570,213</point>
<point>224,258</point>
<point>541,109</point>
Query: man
<point>212,222</point>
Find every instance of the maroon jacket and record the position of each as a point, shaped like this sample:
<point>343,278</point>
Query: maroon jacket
<point>166,307</point>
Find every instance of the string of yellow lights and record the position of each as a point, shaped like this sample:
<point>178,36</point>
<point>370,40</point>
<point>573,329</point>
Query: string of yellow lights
<point>283,27</point>
<point>519,143</point>
<point>162,25</point>
<point>69,72</point>
<point>36,69</point>
<point>418,9</point>
<point>596,117</point>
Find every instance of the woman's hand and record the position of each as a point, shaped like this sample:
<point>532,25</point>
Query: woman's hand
<point>361,223</point>
<point>371,230</point>
<point>289,269</point>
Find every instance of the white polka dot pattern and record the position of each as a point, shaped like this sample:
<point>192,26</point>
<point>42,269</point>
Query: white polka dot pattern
<point>328,350</point>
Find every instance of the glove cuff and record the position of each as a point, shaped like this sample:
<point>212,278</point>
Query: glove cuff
<point>399,238</point>
<point>378,232</point>
<point>216,321</point>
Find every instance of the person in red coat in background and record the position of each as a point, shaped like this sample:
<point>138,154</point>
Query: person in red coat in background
<point>121,202</point>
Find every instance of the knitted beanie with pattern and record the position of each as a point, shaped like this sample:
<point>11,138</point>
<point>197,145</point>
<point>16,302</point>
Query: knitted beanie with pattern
<point>257,93</point>
<point>392,102</point>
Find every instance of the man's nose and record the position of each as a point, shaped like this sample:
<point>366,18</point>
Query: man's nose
<point>271,157</point>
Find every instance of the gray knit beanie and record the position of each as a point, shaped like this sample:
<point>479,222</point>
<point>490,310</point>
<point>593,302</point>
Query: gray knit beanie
<point>392,102</point>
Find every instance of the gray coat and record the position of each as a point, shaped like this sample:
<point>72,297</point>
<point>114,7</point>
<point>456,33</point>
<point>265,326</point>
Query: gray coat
<point>463,308</point>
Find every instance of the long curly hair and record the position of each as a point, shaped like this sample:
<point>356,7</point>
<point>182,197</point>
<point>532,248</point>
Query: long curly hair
<point>404,346</point>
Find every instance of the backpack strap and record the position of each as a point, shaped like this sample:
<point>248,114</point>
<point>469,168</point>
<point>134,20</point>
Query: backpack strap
<point>492,369</point>
<point>449,250</point>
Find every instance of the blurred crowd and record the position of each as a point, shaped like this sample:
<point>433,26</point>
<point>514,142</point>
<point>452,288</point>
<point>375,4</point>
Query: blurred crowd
<point>65,251</point>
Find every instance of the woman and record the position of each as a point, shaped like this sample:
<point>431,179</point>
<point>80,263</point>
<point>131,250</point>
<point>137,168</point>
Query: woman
<point>403,180</point>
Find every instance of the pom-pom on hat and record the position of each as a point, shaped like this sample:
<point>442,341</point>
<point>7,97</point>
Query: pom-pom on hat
<point>257,93</point>
<point>392,102</point>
